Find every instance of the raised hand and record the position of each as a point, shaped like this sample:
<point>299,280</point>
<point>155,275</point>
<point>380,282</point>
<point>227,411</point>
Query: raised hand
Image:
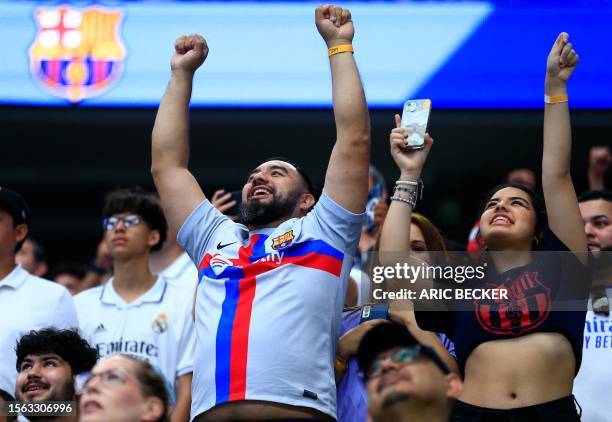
<point>409,161</point>
<point>349,342</point>
<point>561,61</point>
<point>190,51</point>
<point>222,201</point>
<point>334,24</point>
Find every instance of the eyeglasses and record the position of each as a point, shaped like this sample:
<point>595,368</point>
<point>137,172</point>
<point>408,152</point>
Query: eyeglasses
<point>109,378</point>
<point>129,220</point>
<point>406,355</point>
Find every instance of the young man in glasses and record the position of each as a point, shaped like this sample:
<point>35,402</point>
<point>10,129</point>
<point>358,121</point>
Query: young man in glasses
<point>405,380</point>
<point>48,361</point>
<point>136,312</point>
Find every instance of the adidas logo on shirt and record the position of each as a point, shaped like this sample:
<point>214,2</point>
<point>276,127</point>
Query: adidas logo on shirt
<point>100,328</point>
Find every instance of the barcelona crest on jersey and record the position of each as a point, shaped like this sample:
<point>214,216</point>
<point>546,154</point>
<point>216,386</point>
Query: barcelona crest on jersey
<point>528,305</point>
<point>77,53</point>
<point>283,240</point>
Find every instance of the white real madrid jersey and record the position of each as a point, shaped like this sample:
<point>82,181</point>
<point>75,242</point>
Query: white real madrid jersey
<point>182,273</point>
<point>268,306</point>
<point>29,303</point>
<point>593,384</point>
<point>157,327</point>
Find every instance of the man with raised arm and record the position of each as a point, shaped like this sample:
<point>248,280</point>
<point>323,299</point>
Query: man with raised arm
<point>271,287</point>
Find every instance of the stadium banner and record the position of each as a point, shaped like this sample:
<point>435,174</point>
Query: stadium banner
<point>465,55</point>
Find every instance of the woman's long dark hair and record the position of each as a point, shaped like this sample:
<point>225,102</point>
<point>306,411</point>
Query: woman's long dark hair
<point>538,205</point>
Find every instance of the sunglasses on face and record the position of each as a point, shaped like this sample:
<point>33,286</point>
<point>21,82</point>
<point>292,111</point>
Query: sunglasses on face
<point>129,220</point>
<point>406,355</point>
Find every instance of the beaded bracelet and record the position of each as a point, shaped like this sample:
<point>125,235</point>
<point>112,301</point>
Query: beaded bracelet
<point>418,183</point>
<point>411,201</point>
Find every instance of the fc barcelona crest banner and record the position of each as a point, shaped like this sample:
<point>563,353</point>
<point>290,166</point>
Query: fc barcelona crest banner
<point>77,52</point>
<point>116,53</point>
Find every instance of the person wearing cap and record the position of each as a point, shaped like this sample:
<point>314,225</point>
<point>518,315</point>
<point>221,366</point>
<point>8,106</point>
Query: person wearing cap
<point>405,380</point>
<point>27,302</point>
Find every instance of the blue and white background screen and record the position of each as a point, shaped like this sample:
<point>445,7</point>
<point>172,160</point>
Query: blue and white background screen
<point>462,55</point>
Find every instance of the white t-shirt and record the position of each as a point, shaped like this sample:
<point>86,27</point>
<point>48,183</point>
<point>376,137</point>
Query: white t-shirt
<point>182,273</point>
<point>156,327</point>
<point>593,384</point>
<point>269,305</point>
<point>28,303</point>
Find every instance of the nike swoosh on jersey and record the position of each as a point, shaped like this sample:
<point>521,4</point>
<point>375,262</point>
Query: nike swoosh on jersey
<point>221,246</point>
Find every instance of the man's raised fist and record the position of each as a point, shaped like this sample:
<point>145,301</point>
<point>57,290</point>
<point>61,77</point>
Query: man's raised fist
<point>190,51</point>
<point>334,24</point>
<point>562,59</point>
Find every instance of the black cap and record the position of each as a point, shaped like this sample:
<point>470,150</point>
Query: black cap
<point>14,203</point>
<point>387,336</point>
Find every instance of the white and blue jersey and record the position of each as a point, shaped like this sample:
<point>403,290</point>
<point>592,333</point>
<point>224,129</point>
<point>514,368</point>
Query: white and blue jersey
<point>156,327</point>
<point>269,305</point>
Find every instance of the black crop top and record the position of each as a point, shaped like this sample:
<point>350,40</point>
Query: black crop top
<point>533,290</point>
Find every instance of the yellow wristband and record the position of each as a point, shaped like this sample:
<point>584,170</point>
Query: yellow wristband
<point>340,365</point>
<point>555,99</point>
<point>344,48</point>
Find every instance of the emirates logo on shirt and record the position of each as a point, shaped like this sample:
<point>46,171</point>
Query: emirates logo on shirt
<point>160,324</point>
<point>528,305</point>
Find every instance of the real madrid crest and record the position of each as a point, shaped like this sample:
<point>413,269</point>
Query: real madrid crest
<point>160,324</point>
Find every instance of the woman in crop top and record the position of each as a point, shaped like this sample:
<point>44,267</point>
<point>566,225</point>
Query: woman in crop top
<point>519,356</point>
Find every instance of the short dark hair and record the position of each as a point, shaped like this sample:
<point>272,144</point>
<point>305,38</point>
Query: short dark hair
<point>6,396</point>
<point>538,205</point>
<point>307,182</point>
<point>37,250</point>
<point>151,383</point>
<point>67,344</point>
<point>593,195</point>
<point>68,267</point>
<point>138,201</point>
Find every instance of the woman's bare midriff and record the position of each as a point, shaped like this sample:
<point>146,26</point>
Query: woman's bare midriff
<point>519,372</point>
<point>255,410</point>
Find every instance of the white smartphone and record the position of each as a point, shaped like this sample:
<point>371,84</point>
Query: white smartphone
<point>415,118</point>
